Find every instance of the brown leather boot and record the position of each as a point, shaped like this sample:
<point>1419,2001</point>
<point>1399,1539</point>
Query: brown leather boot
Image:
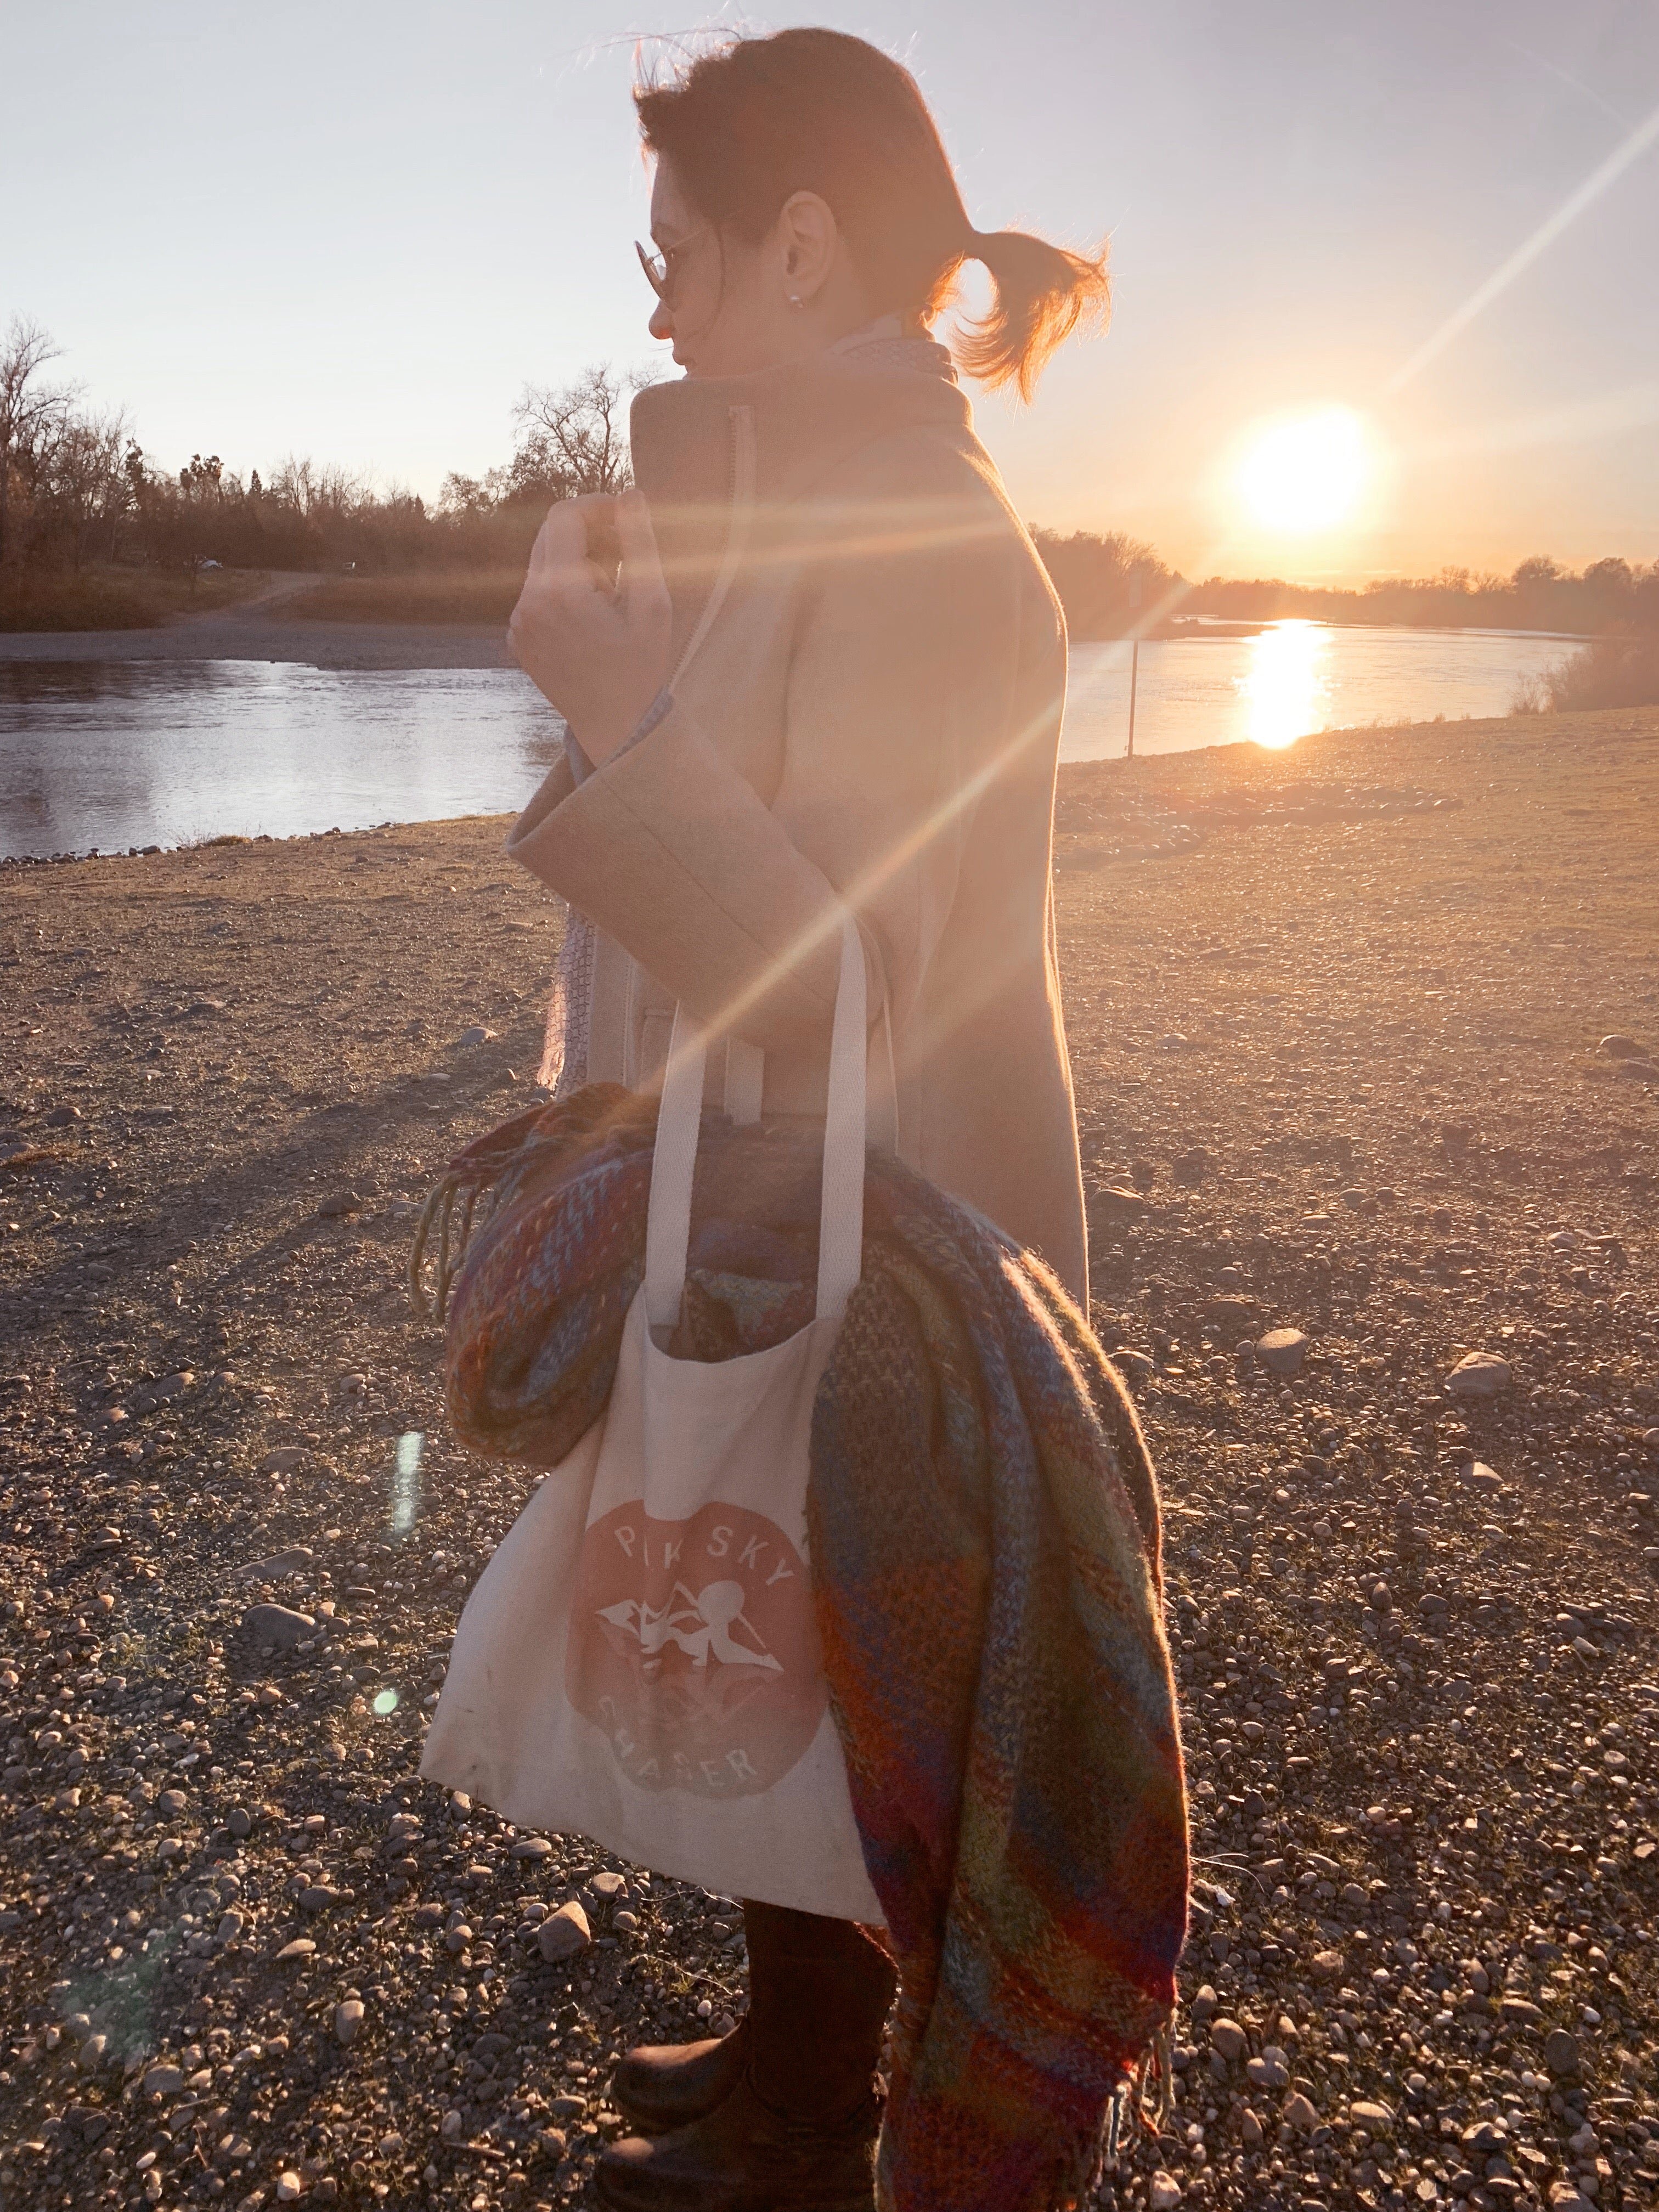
<point>662,2086</point>
<point>798,2131</point>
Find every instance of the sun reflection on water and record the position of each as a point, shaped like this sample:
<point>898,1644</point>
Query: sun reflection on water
<point>1284,687</point>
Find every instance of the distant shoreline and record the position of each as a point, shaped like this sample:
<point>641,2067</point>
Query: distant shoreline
<point>243,635</point>
<point>240,636</point>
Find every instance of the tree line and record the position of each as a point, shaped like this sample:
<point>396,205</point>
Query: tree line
<point>76,488</point>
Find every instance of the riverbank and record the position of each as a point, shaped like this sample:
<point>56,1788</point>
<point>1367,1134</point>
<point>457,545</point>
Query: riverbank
<point>1334,1016</point>
<point>265,628</point>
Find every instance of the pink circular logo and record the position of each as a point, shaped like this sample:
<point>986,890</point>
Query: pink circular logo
<point>692,1644</point>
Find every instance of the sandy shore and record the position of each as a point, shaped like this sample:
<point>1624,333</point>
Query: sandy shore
<point>1334,1016</point>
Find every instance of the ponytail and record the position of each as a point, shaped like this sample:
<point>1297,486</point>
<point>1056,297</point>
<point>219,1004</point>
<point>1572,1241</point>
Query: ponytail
<point>753,120</point>
<point>1043,294</point>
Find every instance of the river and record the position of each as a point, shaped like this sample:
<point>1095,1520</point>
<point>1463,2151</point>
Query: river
<point>113,754</point>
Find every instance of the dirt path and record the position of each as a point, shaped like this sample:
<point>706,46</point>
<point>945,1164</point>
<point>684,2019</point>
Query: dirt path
<point>1335,1017</point>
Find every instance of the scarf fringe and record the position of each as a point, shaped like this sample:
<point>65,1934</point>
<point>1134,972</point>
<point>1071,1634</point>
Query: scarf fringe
<point>453,1193</point>
<point>1141,2102</point>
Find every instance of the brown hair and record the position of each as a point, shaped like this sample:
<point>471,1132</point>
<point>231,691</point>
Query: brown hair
<point>757,119</point>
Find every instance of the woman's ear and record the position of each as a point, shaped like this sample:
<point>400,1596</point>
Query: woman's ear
<point>807,238</point>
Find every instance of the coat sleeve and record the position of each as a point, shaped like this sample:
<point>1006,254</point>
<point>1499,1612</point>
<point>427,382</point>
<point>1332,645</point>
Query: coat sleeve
<point>898,705</point>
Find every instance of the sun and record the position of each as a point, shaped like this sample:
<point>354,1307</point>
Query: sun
<point>1307,472</point>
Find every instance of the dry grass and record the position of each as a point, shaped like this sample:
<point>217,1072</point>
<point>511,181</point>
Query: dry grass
<point>1619,669</point>
<point>116,598</point>
<point>472,596</point>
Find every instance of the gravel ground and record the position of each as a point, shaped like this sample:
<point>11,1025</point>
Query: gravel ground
<point>1336,1042</point>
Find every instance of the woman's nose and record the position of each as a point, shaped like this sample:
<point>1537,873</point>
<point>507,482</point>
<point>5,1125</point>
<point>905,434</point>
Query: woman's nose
<point>661,324</point>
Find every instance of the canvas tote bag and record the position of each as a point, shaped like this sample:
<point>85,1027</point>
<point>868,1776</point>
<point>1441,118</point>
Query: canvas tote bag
<point>639,1662</point>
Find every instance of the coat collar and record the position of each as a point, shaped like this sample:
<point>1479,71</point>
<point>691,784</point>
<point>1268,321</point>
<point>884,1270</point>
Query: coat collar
<point>806,415</point>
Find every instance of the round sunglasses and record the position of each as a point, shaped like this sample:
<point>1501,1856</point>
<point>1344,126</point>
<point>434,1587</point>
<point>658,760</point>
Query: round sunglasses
<point>662,270</point>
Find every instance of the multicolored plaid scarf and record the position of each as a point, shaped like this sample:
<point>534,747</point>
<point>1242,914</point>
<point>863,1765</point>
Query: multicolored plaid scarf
<point>984,1538</point>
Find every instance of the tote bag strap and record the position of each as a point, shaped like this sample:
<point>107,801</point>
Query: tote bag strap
<point>841,1213</point>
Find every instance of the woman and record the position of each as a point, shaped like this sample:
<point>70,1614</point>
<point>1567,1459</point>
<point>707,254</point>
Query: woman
<point>830,675</point>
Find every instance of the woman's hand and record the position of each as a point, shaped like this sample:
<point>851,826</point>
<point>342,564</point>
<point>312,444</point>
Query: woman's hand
<point>599,655</point>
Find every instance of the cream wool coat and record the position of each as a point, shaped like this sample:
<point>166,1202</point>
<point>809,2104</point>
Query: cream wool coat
<point>871,668</point>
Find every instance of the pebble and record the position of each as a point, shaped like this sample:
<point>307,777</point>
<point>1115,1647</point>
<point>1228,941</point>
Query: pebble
<point>283,1461</point>
<point>347,2019</point>
<point>563,1934</point>
<point>1561,2053</point>
<point>1479,1375</point>
<point>1282,1351</point>
<point>1616,1046</point>
<point>1162,2192</point>
<point>1228,2037</point>
<point>300,1947</point>
<point>297,1555</point>
<point>278,1624</point>
<point>609,1886</point>
<point>163,2081</point>
<point>477,1035</point>
<point>532,1847</point>
<point>1298,2112</point>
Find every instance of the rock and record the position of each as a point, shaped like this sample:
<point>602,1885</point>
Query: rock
<point>231,1925</point>
<point>563,1934</point>
<point>1249,2128</point>
<point>297,1555</point>
<point>288,2187</point>
<point>391,2146</point>
<point>283,1459</point>
<point>402,1826</point>
<point>458,1937</point>
<point>1133,1366</point>
<point>61,1116</point>
<point>240,1822</point>
<point>1375,2119</point>
<point>1269,2071</point>
<point>532,1847</point>
<point>1561,2053</point>
<point>1298,2112</point>
<point>1479,1375</point>
<point>568,2107</point>
<point>477,1035</point>
<point>1162,2192</point>
<point>451,2126</point>
<point>347,2019</point>
<point>1227,2037</point>
<point>1282,1351</point>
<point>300,1947</point>
<point>1327,1966</point>
<point>338,1203</point>
<point>278,1624</point>
<point>1204,2005</point>
<point>609,1886</point>
<point>164,2081</point>
<point>1615,1046</point>
<point>171,1802</point>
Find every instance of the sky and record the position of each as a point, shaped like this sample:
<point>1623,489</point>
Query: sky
<point>355,230</point>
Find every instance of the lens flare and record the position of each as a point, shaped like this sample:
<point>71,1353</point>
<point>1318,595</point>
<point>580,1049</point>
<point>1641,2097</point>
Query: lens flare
<point>1307,473</point>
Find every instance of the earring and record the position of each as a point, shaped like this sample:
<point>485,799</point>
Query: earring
<point>795,300</point>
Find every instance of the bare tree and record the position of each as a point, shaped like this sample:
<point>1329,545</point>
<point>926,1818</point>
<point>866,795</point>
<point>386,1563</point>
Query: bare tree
<point>575,440</point>
<point>29,409</point>
<point>83,482</point>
